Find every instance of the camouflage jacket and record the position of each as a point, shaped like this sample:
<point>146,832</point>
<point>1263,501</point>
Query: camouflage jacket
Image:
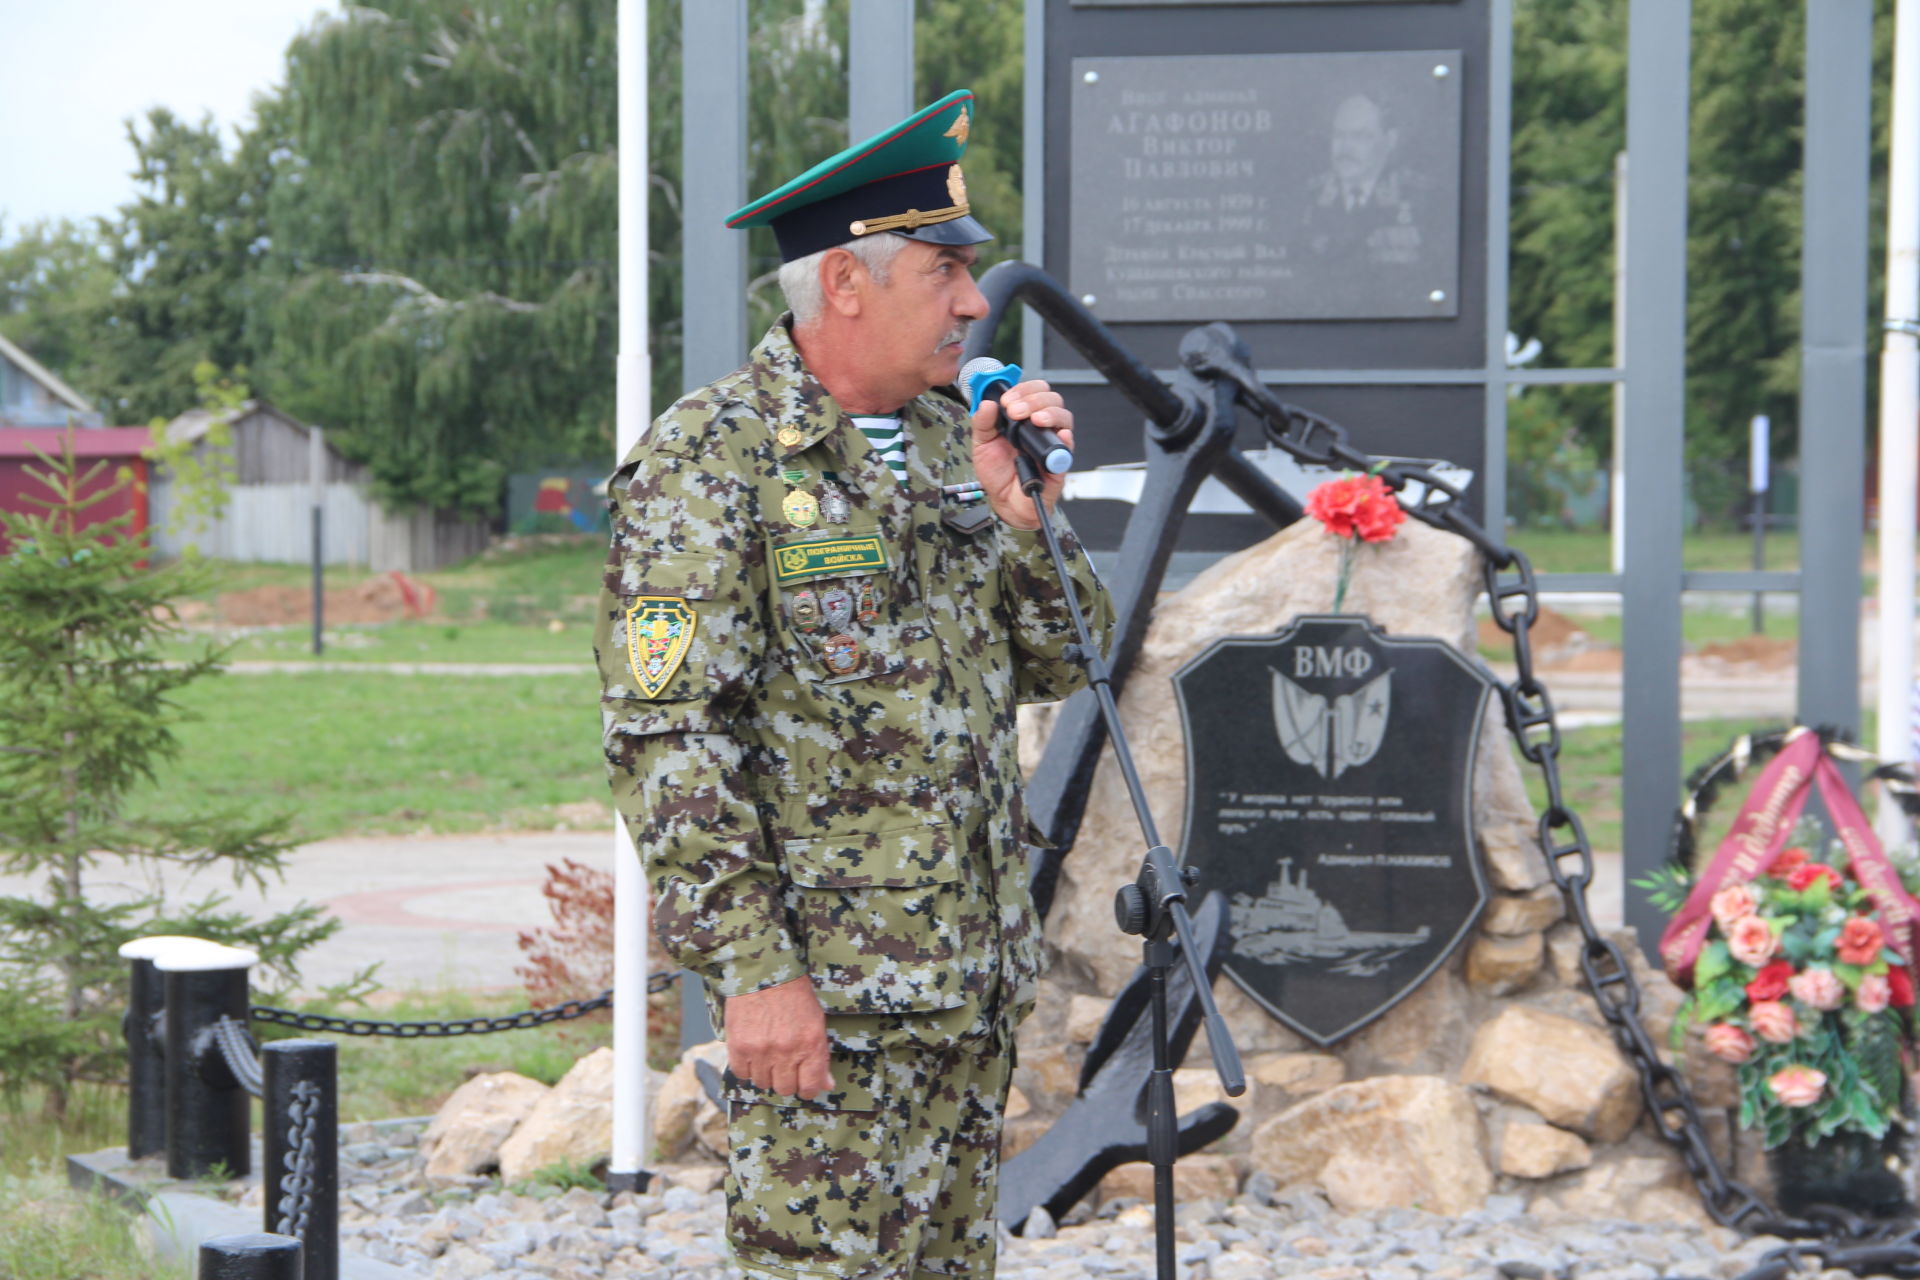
<point>808,703</point>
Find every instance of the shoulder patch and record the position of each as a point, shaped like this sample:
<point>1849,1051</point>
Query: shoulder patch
<point>659,633</point>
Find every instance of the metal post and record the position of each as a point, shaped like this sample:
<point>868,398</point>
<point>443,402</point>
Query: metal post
<point>713,150</point>
<point>250,1257</point>
<point>1757,504</point>
<point>303,1075</point>
<point>1658,37</point>
<point>206,1109</point>
<point>145,1032</point>
<point>633,398</point>
<point>1617,469</point>
<point>1900,413</point>
<point>696,1025</point>
<point>317,473</point>
<point>1833,361</point>
<point>879,65</point>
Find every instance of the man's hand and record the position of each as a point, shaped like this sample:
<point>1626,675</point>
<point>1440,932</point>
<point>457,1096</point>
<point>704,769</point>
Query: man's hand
<point>993,454</point>
<point>777,1038</point>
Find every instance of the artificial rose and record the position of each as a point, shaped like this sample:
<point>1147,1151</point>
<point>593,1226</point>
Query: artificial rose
<point>1874,994</point>
<point>1731,903</point>
<point>1751,941</point>
<point>1356,506</point>
<point>1797,1086</point>
<point>1728,1042</point>
<point>1818,989</point>
<point>1899,987</point>
<point>1805,874</point>
<point>1771,982</point>
<point>1783,865</point>
<point>1773,1022</point>
<point>1860,941</point>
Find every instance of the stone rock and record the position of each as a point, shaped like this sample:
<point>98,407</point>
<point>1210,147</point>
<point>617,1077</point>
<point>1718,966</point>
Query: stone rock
<point>1512,850</point>
<point>1194,1088</point>
<point>572,1122</point>
<point>700,1177</point>
<point>465,1136</point>
<point>1196,1177</point>
<point>1052,1075</point>
<point>677,1103</point>
<point>1540,1151</point>
<point>1498,966</point>
<point>1567,1071</point>
<point>1391,1141</point>
<point>1281,1079</point>
<point>1016,1135</point>
<point>1512,914</point>
<point>1017,1105</point>
<point>1084,1016</point>
<point>1639,1188</point>
<point>1424,582</point>
<point>1427,1033</point>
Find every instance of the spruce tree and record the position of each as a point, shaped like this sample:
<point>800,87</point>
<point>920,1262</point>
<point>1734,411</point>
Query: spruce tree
<point>88,678</point>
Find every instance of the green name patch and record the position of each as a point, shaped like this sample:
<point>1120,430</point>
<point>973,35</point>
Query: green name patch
<point>833,555</point>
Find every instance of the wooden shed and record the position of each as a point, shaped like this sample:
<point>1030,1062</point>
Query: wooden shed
<point>120,448</point>
<point>269,509</point>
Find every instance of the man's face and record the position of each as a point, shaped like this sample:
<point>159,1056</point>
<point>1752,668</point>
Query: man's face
<point>919,318</point>
<point>1360,145</point>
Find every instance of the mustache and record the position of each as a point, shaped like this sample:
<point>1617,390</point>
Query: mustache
<point>956,334</point>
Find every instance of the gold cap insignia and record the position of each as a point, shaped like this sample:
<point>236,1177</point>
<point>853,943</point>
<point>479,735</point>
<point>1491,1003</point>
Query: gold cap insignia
<point>961,127</point>
<point>956,185</point>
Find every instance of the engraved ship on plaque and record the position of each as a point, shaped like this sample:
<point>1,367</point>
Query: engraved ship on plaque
<point>1290,922</point>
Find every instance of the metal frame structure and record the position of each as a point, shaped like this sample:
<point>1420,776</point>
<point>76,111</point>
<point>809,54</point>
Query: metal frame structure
<point>1832,402</point>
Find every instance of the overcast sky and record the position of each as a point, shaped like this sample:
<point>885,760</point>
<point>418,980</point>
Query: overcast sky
<point>72,72</point>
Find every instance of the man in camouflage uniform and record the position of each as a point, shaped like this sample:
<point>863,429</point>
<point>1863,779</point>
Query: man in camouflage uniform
<point>811,651</point>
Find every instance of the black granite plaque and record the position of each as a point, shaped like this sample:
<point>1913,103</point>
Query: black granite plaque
<point>1330,797</point>
<point>1313,186</point>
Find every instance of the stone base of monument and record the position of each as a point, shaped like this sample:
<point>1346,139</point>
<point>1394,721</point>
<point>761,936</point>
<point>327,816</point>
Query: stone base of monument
<point>1495,1074</point>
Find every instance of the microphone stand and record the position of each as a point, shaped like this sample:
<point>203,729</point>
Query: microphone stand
<point>1153,908</point>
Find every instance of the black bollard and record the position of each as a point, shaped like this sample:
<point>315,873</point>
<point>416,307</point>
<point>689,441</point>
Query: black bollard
<point>206,1109</point>
<point>303,1075</point>
<point>146,1066</point>
<point>250,1257</point>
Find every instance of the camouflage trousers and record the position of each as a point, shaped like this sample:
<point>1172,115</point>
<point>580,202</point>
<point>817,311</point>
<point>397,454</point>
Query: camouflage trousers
<point>891,1177</point>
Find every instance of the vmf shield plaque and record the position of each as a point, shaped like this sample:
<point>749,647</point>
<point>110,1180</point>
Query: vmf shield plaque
<point>1330,798</point>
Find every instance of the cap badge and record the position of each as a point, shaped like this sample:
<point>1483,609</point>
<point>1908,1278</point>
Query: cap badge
<point>956,185</point>
<point>961,128</point>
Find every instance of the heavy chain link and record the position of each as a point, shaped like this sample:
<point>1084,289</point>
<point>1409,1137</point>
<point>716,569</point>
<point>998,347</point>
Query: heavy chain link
<point>239,1051</point>
<point>296,1185</point>
<point>438,1028</point>
<point>1833,1240</point>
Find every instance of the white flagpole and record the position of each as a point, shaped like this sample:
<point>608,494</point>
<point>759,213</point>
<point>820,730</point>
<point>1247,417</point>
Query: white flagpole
<point>626,1169</point>
<point>1900,411</point>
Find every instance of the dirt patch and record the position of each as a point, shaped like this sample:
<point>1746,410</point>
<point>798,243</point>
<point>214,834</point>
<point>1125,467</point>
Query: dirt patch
<point>383,599</point>
<point>1557,640</point>
<point>1759,653</point>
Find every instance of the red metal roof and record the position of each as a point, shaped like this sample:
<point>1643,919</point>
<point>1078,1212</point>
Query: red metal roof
<point>88,442</point>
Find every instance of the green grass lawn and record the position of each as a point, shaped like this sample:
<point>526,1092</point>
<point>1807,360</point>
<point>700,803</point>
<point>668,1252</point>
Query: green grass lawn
<point>349,753</point>
<point>1590,550</point>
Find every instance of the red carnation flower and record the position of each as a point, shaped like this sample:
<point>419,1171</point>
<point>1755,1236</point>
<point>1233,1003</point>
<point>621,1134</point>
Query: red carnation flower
<point>1771,982</point>
<point>1805,874</point>
<point>1901,984</point>
<point>1783,865</point>
<point>1356,506</point>
<point>1860,941</point>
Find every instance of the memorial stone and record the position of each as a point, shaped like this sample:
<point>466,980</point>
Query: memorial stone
<point>1330,796</point>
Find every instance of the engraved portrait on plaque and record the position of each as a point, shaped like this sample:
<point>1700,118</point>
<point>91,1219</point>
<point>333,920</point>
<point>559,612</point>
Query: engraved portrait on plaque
<point>1246,187</point>
<point>1330,798</point>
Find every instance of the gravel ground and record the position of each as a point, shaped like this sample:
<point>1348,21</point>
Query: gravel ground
<point>389,1213</point>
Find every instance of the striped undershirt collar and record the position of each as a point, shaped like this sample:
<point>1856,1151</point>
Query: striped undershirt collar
<point>889,440</point>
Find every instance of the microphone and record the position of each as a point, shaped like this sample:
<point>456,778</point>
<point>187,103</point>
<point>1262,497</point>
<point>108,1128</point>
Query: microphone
<point>984,379</point>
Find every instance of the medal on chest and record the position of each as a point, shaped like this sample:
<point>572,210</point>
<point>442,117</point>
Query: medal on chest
<point>833,504</point>
<point>842,654</point>
<point>800,508</point>
<point>836,605</point>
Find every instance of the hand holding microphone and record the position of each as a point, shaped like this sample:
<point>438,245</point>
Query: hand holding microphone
<point>986,379</point>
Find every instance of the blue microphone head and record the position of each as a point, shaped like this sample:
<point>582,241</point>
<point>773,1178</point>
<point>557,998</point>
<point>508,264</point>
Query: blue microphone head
<point>982,372</point>
<point>1058,460</point>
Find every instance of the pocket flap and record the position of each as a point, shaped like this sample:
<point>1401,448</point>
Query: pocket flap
<point>692,577</point>
<point>904,857</point>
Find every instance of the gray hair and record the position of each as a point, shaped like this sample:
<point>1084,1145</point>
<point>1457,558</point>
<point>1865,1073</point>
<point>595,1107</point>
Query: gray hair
<point>800,279</point>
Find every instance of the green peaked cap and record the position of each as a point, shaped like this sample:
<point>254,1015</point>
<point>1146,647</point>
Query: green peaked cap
<point>905,179</point>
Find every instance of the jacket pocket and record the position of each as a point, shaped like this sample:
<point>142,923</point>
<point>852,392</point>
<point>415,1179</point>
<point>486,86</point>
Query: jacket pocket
<point>879,913</point>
